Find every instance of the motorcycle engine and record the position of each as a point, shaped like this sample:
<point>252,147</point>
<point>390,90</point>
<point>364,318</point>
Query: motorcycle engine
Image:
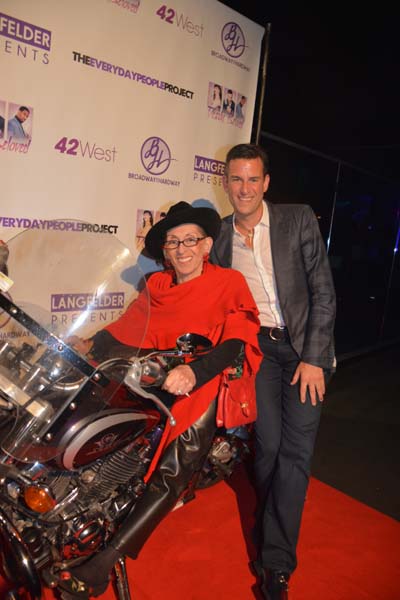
<point>87,504</point>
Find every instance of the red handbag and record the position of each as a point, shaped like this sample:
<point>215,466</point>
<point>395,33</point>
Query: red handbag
<point>236,402</point>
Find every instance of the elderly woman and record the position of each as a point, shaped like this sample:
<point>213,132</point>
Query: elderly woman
<point>189,295</point>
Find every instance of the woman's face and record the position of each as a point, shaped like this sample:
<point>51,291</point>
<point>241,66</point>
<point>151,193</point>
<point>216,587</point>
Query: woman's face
<point>146,217</point>
<point>187,262</point>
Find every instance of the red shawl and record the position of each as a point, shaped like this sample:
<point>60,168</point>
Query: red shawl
<point>217,304</point>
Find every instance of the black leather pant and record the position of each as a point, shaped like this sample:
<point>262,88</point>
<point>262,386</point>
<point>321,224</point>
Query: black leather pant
<point>182,458</point>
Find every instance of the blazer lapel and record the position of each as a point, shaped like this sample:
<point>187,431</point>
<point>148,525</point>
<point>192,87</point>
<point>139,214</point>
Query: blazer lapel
<point>221,252</point>
<point>279,228</point>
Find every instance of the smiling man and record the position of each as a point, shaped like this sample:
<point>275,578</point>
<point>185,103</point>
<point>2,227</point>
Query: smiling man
<point>15,128</point>
<point>280,251</point>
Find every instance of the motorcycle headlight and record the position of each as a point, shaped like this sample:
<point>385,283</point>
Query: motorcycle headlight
<point>39,498</point>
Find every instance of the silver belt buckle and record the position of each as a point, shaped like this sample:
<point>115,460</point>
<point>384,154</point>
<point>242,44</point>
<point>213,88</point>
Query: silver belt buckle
<point>271,334</point>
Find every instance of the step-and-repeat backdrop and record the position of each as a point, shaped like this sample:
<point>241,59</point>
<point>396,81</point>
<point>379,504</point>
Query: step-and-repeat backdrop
<point>111,111</point>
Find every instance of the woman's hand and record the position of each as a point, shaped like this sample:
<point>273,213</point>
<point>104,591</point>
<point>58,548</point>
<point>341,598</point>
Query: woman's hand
<point>180,380</point>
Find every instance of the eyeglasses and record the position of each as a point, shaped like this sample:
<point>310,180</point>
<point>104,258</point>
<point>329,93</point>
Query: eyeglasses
<point>189,242</point>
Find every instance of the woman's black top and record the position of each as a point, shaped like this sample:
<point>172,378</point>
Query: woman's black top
<point>205,367</point>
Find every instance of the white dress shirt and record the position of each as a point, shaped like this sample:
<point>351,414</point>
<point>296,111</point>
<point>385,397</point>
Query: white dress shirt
<point>256,264</point>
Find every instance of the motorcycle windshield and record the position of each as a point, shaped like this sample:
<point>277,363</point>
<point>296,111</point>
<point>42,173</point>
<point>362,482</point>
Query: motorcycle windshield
<point>67,285</point>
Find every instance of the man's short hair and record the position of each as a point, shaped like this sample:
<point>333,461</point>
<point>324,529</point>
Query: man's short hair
<point>249,151</point>
<point>24,108</point>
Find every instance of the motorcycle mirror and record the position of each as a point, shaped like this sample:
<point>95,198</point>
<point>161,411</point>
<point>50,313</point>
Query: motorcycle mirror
<point>193,343</point>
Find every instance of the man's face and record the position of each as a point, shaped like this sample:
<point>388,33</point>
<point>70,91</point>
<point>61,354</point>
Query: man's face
<point>22,115</point>
<point>245,185</point>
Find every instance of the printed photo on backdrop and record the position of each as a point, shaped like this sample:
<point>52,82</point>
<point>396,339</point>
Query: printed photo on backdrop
<point>144,222</point>
<point>2,117</point>
<point>240,111</point>
<point>228,106</point>
<point>215,96</point>
<point>19,125</point>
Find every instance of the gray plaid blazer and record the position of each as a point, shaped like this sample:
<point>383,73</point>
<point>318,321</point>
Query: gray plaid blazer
<point>303,277</point>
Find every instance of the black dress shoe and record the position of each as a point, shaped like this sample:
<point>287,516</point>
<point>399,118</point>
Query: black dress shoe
<point>274,585</point>
<point>277,585</point>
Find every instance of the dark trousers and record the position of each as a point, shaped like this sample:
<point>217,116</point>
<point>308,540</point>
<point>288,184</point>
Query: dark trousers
<point>285,433</point>
<point>182,458</point>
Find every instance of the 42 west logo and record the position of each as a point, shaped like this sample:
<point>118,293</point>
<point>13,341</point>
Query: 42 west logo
<point>182,21</point>
<point>75,147</point>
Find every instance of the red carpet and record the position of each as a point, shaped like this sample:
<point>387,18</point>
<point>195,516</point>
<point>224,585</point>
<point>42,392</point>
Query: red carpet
<point>347,551</point>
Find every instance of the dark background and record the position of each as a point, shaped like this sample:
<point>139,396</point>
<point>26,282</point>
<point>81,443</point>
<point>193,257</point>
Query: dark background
<point>330,126</point>
<point>332,84</point>
<point>332,88</point>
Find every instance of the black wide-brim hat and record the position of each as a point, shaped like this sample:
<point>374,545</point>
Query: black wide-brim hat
<point>179,214</point>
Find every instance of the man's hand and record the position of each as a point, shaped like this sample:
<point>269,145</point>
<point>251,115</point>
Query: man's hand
<point>310,377</point>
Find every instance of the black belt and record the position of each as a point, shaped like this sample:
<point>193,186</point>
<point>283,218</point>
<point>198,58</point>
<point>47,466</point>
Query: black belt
<point>278,334</point>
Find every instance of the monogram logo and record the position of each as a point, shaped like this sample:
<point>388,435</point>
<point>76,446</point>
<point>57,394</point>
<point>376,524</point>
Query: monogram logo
<point>155,156</point>
<point>233,40</point>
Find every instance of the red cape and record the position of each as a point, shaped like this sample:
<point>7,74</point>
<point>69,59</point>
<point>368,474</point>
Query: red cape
<point>218,305</point>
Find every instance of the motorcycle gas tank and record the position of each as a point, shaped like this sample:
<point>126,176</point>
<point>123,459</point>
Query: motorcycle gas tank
<point>84,435</point>
<point>88,438</point>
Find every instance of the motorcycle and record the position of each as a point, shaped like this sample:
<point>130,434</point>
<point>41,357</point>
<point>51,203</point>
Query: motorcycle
<point>77,438</point>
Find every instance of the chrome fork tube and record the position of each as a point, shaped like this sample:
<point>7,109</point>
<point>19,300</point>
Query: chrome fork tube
<point>121,579</point>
